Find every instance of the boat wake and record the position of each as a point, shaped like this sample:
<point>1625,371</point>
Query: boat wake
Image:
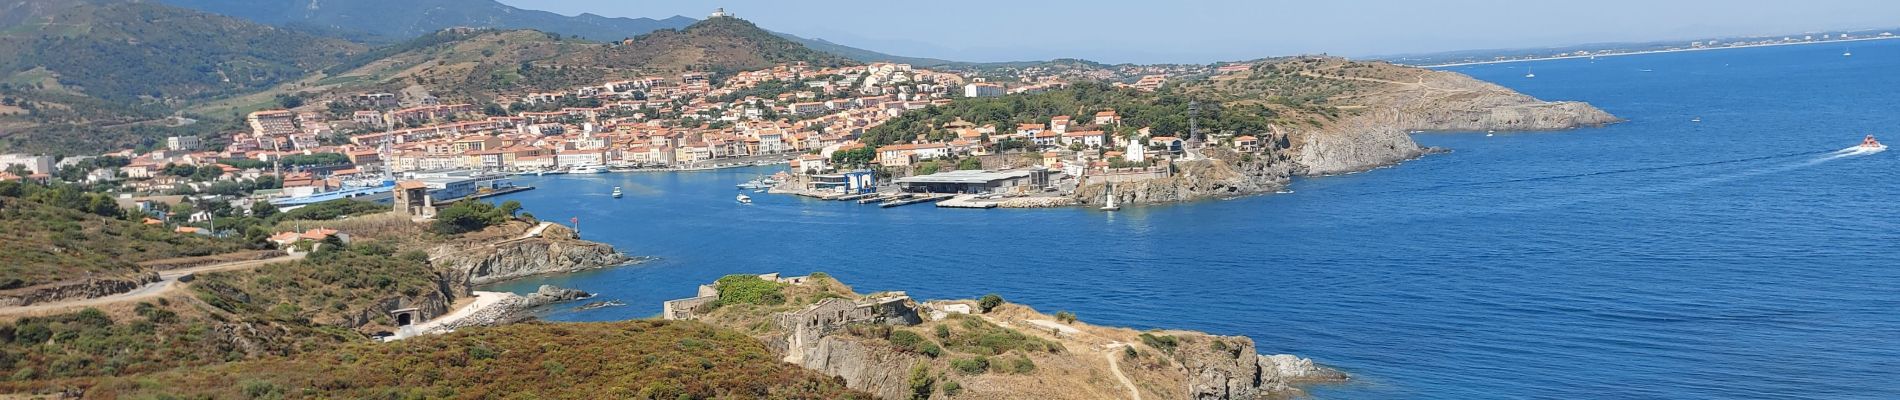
<point>1601,173</point>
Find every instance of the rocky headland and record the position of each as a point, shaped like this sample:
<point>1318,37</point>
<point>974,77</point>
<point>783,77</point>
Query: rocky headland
<point>1366,124</point>
<point>897,348</point>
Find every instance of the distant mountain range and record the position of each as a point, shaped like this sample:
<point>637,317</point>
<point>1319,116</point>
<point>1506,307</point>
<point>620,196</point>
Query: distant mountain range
<point>392,21</point>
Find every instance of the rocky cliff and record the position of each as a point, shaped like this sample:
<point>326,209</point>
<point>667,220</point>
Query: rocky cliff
<point>879,370</point>
<point>1352,145</point>
<point>1227,367</point>
<point>556,250</point>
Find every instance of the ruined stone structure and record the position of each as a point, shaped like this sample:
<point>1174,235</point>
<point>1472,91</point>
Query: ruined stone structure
<point>805,327</point>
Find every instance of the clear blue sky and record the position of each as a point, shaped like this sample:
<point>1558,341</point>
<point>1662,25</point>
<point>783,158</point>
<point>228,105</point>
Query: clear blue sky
<point>1199,31</point>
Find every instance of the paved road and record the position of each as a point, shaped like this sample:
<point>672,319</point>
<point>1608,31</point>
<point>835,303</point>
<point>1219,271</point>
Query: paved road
<point>167,282</point>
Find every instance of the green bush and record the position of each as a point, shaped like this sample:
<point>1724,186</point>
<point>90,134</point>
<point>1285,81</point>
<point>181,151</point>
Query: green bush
<point>921,383</point>
<point>928,167</point>
<point>971,366</point>
<point>1022,365</point>
<point>951,388</point>
<point>943,331</point>
<point>471,215</point>
<point>748,289</point>
<point>1163,342</point>
<point>324,211</point>
<point>990,302</point>
<point>914,343</point>
<point>1066,317</point>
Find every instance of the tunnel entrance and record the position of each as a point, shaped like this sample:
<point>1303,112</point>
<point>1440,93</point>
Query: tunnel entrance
<point>404,317</point>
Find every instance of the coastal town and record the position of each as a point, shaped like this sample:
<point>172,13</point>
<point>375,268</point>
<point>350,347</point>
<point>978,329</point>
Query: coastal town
<point>374,146</point>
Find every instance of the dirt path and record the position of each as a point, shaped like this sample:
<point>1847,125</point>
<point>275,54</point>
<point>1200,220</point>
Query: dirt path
<point>1115,366</point>
<point>536,232</point>
<point>167,282</point>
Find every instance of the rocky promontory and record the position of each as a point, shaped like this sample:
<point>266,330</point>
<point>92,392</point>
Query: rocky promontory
<point>555,250</point>
<point>898,348</point>
<point>1365,122</point>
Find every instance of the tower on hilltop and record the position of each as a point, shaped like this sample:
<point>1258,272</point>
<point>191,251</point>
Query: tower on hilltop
<point>719,13</point>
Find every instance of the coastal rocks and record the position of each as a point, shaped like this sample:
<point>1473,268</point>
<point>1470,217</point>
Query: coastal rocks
<point>550,294</point>
<point>74,290</point>
<point>1354,144</point>
<point>1291,369</point>
<point>556,250</point>
<point>1227,367</point>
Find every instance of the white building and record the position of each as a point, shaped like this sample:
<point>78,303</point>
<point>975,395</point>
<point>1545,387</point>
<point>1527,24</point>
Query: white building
<point>183,143</point>
<point>34,164</point>
<point>982,89</point>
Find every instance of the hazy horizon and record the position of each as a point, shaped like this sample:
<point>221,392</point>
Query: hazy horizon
<point>1222,30</point>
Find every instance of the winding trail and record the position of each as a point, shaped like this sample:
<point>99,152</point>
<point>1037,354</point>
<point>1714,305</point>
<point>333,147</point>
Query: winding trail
<point>1116,367</point>
<point>168,281</point>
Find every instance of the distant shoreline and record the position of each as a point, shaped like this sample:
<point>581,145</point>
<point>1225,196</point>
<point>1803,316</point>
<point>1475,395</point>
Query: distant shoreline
<point>1653,52</point>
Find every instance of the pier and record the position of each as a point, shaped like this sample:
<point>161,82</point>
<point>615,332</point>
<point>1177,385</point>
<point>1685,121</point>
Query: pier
<point>914,199</point>
<point>966,201</point>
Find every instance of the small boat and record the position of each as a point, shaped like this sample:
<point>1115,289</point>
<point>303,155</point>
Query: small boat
<point>744,199</point>
<point>1528,73</point>
<point>617,192</point>
<point>1870,144</point>
<point>1697,119</point>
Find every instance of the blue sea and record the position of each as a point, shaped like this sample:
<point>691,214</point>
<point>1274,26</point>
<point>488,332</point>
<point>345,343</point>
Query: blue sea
<point>1742,256</point>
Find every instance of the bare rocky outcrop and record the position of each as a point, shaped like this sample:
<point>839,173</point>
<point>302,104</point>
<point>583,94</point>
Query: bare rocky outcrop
<point>1352,145</point>
<point>556,250</point>
<point>877,369</point>
<point>1227,367</point>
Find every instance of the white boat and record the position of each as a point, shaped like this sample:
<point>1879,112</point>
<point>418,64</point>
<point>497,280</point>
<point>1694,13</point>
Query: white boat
<point>1869,144</point>
<point>744,199</point>
<point>589,169</point>
<point>616,192</point>
<point>1528,73</point>
<point>1697,119</point>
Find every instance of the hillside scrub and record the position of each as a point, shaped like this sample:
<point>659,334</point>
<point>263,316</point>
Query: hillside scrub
<point>473,215</point>
<point>631,359</point>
